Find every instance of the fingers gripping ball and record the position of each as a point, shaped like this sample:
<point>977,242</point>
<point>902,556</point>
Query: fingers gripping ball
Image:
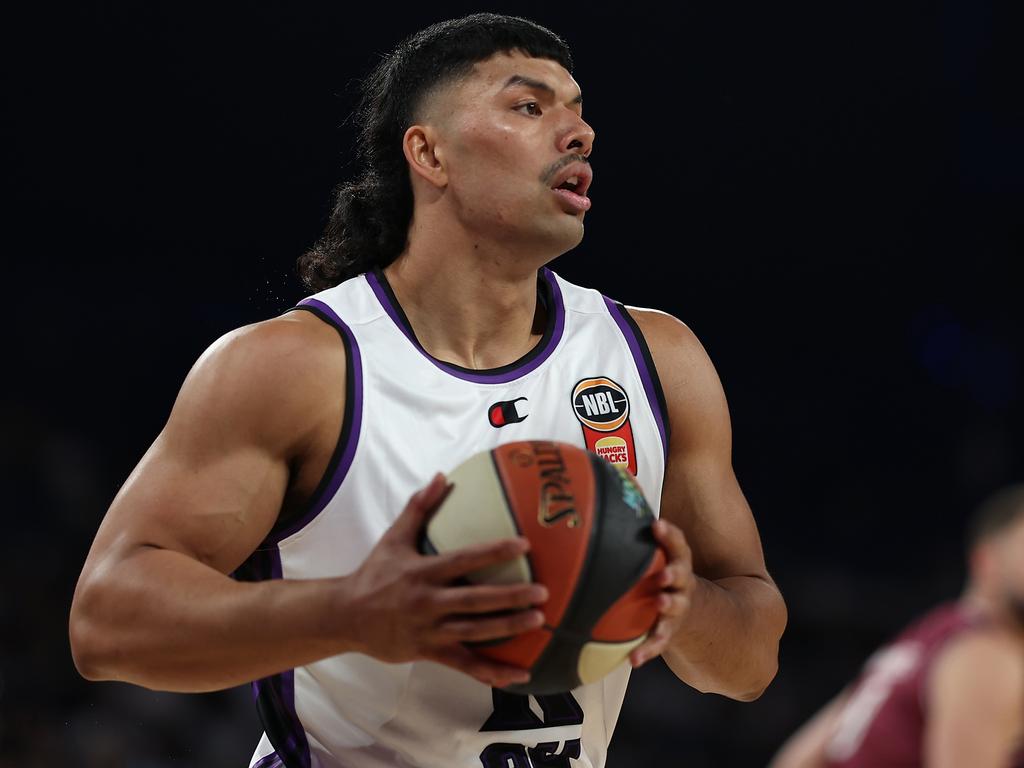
<point>591,545</point>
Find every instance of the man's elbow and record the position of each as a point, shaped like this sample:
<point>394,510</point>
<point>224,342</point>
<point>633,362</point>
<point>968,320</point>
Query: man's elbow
<point>775,617</point>
<point>750,688</point>
<point>89,651</point>
<point>754,692</point>
<point>766,666</point>
<point>83,652</point>
<point>769,665</point>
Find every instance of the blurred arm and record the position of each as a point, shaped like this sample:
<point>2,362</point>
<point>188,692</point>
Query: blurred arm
<point>728,639</point>
<point>806,747</point>
<point>154,605</point>
<point>975,703</point>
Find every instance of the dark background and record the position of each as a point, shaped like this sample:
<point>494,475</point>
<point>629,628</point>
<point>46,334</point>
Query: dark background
<point>828,193</point>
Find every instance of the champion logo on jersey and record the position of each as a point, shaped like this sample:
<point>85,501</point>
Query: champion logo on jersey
<point>602,408</point>
<point>508,412</point>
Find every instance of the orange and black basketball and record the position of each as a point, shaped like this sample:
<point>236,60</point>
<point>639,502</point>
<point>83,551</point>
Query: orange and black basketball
<point>591,544</point>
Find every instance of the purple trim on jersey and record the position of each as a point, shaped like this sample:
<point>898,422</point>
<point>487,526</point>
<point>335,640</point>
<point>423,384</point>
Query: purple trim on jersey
<point>273,760</point>
<point>296,740</point>
<point>281,687</point>
<point>385,301</point>
<point>349,431</point>
<point>503,375</point>
<point>646,375</point>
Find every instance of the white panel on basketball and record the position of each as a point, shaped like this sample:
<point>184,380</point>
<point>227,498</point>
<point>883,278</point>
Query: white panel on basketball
<point>598,659</point>
<point>463,520</point>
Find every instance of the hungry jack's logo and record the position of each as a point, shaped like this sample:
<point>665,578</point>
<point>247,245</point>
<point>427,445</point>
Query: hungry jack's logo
<point>602,408</point>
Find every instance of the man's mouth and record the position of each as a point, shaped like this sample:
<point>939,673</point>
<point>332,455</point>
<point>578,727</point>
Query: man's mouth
<point>572,185</point>
<point>572,201</point>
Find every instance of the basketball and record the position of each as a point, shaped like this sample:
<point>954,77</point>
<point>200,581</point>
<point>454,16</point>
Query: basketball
<point>591,545</point>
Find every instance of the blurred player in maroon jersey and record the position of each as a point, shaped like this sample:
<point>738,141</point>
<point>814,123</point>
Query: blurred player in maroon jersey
<point>949,691</point>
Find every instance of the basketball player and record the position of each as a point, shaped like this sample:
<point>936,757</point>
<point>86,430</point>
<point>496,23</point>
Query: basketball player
<point>303,453</point>
<point>949,691</point>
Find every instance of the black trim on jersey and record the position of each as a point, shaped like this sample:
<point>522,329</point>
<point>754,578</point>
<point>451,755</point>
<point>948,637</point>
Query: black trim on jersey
<point>270,706</point>
<point>344,436</point>
<point>279,721</point>
<point>544,296</point>
<point>651,368</point>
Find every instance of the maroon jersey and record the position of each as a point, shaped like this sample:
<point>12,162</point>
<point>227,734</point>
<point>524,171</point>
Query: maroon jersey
<point>882,722</point>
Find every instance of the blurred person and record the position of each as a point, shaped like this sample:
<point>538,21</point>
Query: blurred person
<point>294,443</point>
<point>948,692</point>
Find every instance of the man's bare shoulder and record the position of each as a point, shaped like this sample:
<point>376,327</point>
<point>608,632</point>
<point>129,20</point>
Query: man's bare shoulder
<point>296,339</point>
<point>674,346</point>
<point>663,327</point>
<point>975,699</point>
<point>985,664</point>
<point>990,650</point>
<point>278,378</point>
<point>693,391</point>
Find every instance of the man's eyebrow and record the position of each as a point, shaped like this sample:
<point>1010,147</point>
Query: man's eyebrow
<point>540,85</point>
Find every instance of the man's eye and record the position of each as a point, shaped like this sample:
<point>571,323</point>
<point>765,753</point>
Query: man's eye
<point>530,108</point>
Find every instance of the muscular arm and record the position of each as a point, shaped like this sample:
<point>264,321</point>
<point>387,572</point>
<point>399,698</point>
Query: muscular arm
<point>975,703</point>
<point>154,604</point>
<point>728,640</point>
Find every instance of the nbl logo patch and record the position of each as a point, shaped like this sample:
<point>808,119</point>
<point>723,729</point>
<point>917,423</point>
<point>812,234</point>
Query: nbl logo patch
<point>602,408</point>
<point>600,404</point>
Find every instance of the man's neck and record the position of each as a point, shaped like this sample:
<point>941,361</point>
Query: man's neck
<point>988,605</point>
<point>474,305</point>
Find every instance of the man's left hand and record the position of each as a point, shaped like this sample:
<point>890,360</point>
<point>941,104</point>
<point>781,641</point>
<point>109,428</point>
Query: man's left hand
<point>677,582</point>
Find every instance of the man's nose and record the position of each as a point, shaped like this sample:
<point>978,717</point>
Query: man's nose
<point>578,137</point>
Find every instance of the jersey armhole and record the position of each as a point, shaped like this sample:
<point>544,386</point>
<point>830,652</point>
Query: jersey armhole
<point>645,366</point>
<point>348,438</point>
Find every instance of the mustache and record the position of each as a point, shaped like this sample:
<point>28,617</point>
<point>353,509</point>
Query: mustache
<point>550,172</point>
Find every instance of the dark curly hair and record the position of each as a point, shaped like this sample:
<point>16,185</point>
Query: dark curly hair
<point>369,221</point>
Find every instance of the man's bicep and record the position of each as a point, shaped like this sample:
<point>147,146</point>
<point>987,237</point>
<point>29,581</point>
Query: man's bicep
<point>216,510</point>
<point>212,484</point>
<point>701,494</point>
<point>708,505</point>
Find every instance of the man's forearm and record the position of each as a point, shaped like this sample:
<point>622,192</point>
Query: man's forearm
<point>729,640</point>
<point>207,632</point>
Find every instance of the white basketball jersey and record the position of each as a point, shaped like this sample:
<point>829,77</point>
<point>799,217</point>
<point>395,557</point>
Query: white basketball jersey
<point>589,381</point>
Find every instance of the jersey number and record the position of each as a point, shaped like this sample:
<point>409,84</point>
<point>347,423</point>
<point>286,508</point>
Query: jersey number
<point>512,713</point>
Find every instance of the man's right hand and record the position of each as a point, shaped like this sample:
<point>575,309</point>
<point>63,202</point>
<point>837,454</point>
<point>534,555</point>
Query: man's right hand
<point>405,606</point>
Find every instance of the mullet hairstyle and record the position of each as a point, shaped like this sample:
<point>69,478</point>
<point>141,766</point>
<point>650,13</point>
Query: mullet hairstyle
<point>369,222</point>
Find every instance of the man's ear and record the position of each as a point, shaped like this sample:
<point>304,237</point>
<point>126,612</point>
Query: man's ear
<point>424,156</point>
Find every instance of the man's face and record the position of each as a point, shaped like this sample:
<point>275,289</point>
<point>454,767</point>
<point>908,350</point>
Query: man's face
<point>510,134</point>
